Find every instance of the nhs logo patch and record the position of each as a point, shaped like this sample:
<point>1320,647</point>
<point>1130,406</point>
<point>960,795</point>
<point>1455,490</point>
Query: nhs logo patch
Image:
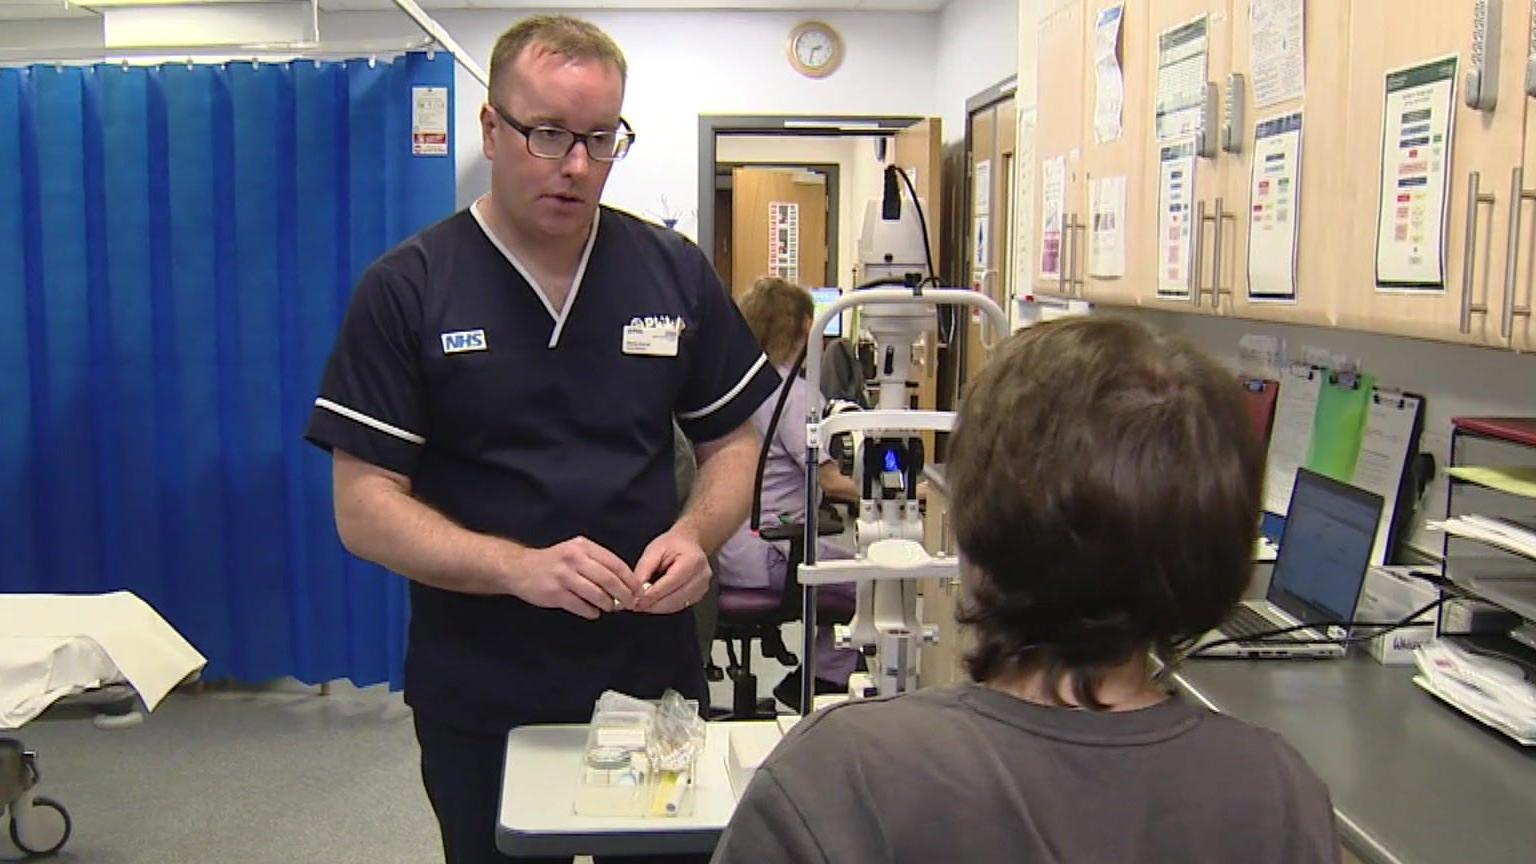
<point>460,341</point>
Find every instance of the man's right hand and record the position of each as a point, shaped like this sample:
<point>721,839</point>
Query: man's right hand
<point>576,575</point>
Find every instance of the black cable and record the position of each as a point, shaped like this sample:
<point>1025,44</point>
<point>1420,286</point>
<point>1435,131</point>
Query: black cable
<point>773,427</point>
<point>947,316</point>
<point>922,220</point>
<point>898,281</point>
<point>1382,628</point>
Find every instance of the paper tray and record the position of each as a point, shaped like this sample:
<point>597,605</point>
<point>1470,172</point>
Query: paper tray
<point>1429,687</point>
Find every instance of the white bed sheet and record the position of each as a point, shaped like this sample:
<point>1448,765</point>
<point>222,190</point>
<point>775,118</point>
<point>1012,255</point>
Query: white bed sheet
<point>55,645</point>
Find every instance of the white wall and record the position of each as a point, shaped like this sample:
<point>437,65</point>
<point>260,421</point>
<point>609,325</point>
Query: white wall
<point>858,178</point>
<point>1454,380</point>
<point>45,33</point>
<point>686,63</point>
<point>978,46</point>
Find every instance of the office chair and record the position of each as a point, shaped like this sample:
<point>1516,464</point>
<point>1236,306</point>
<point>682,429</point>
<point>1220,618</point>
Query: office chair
<point>755,614</point>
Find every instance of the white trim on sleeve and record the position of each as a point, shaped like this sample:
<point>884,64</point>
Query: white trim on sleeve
<point>371,422</point>
<point>729,395</point>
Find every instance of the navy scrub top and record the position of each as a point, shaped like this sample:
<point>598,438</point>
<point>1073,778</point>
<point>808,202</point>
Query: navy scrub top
<point>522,421</point>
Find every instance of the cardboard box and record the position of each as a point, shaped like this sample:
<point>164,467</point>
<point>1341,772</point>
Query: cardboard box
<point>1390,594</point>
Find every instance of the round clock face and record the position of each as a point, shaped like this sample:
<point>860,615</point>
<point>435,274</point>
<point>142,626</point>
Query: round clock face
<point>815,49</point>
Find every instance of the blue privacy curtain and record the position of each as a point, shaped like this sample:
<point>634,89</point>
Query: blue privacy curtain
<point>177,247</point>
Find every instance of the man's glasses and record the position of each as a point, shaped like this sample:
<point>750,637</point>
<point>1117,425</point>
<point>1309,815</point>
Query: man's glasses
<point>553,142</point>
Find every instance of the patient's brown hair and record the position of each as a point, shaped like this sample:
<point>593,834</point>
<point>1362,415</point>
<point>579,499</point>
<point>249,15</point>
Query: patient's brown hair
<point>1107,490</point>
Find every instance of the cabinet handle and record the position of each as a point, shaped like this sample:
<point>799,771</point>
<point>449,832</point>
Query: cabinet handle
<point>1079,245</point>
<point>1469,252</point>
<point>1063,255</point>
<point>1069,250</point>
<point>1216,290</point>
<point>1517,198</point>
<point>1195,279</point>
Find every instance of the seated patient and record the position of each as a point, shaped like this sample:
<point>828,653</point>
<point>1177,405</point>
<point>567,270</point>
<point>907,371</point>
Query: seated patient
<point>1105,486</point>
<point>780,314</point>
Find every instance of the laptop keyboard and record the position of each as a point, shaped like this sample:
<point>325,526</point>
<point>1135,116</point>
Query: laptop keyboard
<point>1245,622</point>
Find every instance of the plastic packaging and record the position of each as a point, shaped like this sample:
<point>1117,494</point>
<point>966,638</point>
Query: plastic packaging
<point>641,757</point>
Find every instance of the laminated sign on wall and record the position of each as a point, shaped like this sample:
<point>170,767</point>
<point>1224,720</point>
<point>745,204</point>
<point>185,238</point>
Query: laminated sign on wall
<point>429,121</point>
<point>784,240</point>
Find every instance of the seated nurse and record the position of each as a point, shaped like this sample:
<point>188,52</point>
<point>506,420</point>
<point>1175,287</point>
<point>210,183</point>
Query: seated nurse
<point>780,315</point>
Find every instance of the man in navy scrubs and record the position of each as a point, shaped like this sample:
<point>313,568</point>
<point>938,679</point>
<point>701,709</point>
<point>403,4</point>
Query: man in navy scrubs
<point>499,407</point>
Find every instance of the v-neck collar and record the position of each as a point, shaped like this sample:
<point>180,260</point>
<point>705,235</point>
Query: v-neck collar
<point>559,317</point>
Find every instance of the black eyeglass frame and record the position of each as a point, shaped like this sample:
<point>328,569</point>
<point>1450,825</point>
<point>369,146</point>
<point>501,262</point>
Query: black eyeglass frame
<point>623,137</point>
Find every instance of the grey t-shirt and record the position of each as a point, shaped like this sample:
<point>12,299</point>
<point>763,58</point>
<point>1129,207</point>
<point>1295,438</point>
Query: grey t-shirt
<point>966,773</point>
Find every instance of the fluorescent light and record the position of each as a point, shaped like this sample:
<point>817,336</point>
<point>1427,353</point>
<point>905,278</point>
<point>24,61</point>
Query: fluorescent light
<point>108,4</point>
<point>831,124</point>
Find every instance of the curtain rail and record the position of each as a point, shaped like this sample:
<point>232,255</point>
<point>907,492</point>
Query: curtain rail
<point>263,52</point>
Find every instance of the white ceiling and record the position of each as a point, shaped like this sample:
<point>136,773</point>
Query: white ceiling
<point>43,9</point>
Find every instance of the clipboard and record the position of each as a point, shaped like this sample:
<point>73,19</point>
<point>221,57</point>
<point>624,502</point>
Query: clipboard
<point>1296,398</point>
<point>1259,396</point>
<point>1394,424</point>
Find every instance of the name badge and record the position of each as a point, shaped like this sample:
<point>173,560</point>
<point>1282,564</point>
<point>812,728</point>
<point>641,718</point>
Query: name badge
<point>652,338</point>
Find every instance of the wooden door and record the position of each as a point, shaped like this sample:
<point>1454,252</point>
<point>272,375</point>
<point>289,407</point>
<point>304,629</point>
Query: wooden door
<point>1058,142</point>
<point>778,227</point>
<point>1322,225</point>
<point>1164,16</point>
<point>919,150</point>
<point>1131,156</point>
<point>1485,145</point>
<point>992,133</point>
<point>1001,288</point>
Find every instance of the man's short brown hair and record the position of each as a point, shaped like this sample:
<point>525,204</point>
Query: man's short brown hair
<point>777,311</point>
<point>1106,492</point>
<point>562,34</point>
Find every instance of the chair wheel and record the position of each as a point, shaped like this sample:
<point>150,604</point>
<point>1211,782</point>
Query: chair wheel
<point>714,673</point>
<point>43,830</point>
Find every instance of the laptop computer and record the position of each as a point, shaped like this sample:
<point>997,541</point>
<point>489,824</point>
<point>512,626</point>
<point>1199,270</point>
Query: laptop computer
<point>1330,528</point>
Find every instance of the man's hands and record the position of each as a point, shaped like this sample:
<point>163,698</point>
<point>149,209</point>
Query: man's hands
<point>576,575</point>
<point>585,579</point>
<point>677,571</point>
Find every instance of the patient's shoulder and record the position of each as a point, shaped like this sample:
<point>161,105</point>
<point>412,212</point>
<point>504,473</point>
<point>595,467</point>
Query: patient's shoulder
<point>903,727</point>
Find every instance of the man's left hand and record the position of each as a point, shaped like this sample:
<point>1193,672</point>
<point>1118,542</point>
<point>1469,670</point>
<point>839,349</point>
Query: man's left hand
<point>675,571</point>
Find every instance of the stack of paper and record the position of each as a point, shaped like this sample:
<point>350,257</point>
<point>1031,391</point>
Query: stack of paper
<point>1509,534</point>
<point>1493,689</point>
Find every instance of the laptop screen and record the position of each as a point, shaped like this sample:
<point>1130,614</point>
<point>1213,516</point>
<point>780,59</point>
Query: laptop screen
<point>1330,528</point>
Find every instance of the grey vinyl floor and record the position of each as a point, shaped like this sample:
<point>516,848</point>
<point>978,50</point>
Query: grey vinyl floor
<point>277,776</point>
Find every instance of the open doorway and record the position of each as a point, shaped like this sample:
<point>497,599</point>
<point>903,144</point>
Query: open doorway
<point>861,148</point>
<point>745,192</point>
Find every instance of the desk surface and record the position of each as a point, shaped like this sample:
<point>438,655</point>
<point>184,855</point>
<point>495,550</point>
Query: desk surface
<point>1413,781</point>
<point>539,778</point>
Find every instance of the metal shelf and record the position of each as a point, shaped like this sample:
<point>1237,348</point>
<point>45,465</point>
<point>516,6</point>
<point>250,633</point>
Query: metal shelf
<point>1508,582</point>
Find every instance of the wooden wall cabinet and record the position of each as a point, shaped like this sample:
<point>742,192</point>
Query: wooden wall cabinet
<point>1351,46</point>
<point>1323,224</point>
<point>1486,148</point>
<point>1128,156</point>
<point>1063,96</point>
